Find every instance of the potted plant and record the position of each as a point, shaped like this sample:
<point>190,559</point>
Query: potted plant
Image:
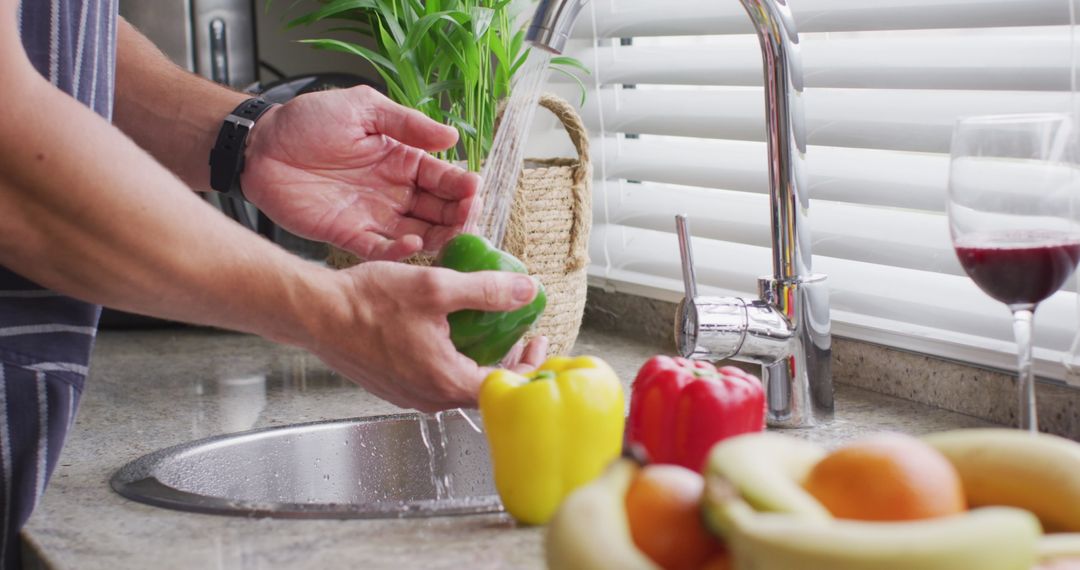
<point>453,60</point>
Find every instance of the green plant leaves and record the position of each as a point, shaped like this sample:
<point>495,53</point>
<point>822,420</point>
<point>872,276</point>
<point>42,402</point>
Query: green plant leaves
<point>335,8</point>
<point>422,27</point>
<point>338,45</point>
<point>560,65</point>
<point>569,62</point>
<point>451,59</point>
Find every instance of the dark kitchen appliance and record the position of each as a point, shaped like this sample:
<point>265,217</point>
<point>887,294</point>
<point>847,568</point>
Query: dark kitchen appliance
<point>214,38</point>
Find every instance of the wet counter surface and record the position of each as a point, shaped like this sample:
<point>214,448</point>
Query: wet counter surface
<point>153,389</point>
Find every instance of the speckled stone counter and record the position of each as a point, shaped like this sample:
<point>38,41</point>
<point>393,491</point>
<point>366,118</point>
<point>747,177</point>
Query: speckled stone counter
<point>153,389</point>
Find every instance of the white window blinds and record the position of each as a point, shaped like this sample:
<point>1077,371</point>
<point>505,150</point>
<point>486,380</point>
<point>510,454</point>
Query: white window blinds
<point>676,113</point>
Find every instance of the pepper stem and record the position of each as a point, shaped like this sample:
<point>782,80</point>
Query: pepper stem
<point>543,375</point>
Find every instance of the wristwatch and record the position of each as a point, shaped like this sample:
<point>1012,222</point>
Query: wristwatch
<point>227,156</point>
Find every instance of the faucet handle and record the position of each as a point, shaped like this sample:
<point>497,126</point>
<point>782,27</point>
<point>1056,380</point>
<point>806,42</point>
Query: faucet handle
<point>686,256</point>
<point>709,328</point>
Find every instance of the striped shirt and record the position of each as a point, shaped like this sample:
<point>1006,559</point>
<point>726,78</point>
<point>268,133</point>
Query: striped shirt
<point>46,338</point>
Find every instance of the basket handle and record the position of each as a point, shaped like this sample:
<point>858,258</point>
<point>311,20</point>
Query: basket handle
<point>571,121</point>
<point>566,114</point>
<point>582,208</point>
<point>579,231</point>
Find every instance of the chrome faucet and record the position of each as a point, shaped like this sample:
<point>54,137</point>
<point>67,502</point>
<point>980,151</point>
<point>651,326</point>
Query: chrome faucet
<point>552,22</point>
<point>786,330</point>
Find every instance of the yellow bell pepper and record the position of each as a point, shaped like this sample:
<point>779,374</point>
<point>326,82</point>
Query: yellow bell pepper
<point>551,431</point>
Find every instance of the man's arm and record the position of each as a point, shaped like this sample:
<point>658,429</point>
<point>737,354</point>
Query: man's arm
<point>86,212</point>
<point>173,114</point>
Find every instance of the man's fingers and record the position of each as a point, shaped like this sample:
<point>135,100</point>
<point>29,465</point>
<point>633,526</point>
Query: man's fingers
<point>456,384</point>
<point>444,179</point>
<point>372,246</point>
<point>482,290</point>
<point>524,358</point>
<point>435,210</point>
<point>512,358</point>
<point>409,126</point>
<point>437,236</point>
<point>399,249</point>
<point>433,236</point>
<point>534,355</point>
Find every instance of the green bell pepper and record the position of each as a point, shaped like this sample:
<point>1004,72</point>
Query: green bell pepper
<point>483,336</point>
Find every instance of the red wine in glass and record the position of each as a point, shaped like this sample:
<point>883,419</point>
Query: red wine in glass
<point>1014,184</point>
<point>1019,268</point>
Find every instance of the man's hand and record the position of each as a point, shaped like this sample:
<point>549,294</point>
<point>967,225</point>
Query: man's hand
<point>399,345</point>
<point>349,167</point>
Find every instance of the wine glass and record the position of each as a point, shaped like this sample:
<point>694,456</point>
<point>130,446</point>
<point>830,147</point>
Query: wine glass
<point>1012,180</point>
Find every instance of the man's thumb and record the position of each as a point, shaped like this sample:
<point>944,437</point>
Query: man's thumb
<point>492,291</point>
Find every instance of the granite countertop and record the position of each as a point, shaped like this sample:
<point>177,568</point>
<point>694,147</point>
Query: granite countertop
<point>152,389</point>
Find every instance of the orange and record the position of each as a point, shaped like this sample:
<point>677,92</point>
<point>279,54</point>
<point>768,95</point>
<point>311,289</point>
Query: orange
<point>663,507</point>
<point>887,477</point>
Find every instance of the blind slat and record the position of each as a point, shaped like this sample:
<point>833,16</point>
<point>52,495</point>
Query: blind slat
<point>890,179</point>
<point>848,231</point>
<point>628,18</point>
<point>907,120</point>
<point>1038,59</point>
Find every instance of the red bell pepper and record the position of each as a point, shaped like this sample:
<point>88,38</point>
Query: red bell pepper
<point>680,408</point>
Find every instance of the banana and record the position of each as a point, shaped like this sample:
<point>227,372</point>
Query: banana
<point>999,466</point>
<point>1057,546</point>
<point>991,538</point>
<point>590,530</point>
<point>766,470</point>
<point>754,499</point>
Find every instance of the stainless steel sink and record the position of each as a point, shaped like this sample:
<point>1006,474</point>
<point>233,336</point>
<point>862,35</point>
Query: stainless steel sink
<point>376,467</point>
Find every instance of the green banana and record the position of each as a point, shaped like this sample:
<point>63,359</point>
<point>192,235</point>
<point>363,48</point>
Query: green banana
<point>1033,471</point>
<point>590,530</point>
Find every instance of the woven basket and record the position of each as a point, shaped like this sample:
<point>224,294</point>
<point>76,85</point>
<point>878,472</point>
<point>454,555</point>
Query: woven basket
<point>548,230</point>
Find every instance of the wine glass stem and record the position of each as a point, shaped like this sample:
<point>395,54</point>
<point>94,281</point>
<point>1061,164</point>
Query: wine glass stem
<point>1022,320</point>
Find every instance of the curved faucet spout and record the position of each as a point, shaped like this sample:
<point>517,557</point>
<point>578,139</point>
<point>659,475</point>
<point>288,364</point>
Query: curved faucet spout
<point>786,330</point>
<point>785,134</point>
<point>552,23</point>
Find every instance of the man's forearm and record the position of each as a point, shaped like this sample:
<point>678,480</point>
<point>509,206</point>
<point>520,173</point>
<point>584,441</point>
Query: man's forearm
<point>88,213</point>
<point>173,114</point>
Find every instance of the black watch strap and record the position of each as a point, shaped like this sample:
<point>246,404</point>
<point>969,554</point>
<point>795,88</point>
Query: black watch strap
<point>227,156</point>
